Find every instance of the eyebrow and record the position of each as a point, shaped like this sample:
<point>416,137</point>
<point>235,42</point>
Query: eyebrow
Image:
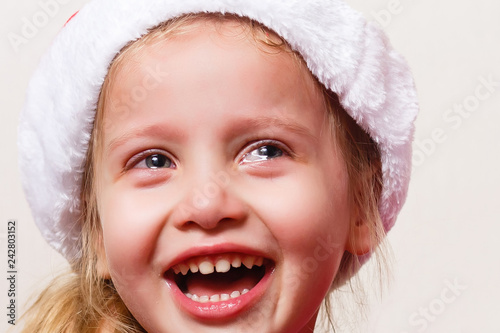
<point>154,130</point>
<point>239,126</point>
<point>268,123</point>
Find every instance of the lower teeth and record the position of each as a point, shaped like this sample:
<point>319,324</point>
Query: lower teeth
<point>216,298</point>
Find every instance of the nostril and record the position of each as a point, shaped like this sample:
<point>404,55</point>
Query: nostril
<point>210,227</point>
<point>207,204</point>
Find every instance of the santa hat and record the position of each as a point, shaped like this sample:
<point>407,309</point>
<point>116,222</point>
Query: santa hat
<point>348,55</point>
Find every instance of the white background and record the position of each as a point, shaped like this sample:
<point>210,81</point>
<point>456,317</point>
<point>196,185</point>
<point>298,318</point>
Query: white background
<point>448,232</point>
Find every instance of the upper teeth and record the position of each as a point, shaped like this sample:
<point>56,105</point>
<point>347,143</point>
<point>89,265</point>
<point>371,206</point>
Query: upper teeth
<point>206,266</point>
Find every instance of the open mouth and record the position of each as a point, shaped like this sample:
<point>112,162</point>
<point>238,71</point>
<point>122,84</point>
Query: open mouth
<point>219,278</point>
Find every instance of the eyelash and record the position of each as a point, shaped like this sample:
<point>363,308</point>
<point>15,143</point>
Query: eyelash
<point>142,156</point>
<point>263,143</point>
<point>253,146</point>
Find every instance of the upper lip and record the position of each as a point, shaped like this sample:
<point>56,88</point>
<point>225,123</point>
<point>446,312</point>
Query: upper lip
<point>214,249</point>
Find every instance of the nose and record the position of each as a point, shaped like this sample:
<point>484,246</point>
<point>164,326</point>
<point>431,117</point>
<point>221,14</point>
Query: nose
<point>208,202</point>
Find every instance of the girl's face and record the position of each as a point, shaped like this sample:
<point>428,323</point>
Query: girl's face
<point>216,156</point>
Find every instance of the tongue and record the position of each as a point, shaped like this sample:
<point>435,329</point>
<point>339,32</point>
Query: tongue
<point>221,283</point>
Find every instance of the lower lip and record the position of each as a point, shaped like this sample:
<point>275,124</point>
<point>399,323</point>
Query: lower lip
<point>223,309</point>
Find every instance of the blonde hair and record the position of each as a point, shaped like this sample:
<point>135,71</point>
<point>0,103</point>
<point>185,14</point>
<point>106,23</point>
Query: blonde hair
<point>85,299</point>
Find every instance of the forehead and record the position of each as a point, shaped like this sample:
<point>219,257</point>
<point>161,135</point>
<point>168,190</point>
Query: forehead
<point>231,33</point>
<point>220,62</point>
<point>216,25</point>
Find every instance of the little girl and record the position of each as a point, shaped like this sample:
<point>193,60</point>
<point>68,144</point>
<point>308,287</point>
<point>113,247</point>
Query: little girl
<point>212,166</point>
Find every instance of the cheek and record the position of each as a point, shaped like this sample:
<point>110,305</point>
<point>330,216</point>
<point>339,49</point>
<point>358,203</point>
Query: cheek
<point>305,210</point>
<point>314,242</point>
<point>309,216</point>
<point>130,226</point>
<point>129,235</point>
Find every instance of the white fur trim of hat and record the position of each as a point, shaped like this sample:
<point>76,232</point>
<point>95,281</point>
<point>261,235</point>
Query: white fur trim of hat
<point>348,55</point>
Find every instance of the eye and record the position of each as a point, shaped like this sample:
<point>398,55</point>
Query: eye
<point>148,160</point>
<point>263,153</point>
<point>157,161</point>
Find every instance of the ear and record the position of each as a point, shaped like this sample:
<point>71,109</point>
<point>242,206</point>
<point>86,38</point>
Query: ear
<point>360,237</point>
<point>363,235</point>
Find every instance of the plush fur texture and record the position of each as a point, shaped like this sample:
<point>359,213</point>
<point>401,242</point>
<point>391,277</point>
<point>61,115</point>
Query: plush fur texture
<point>348,55</point>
